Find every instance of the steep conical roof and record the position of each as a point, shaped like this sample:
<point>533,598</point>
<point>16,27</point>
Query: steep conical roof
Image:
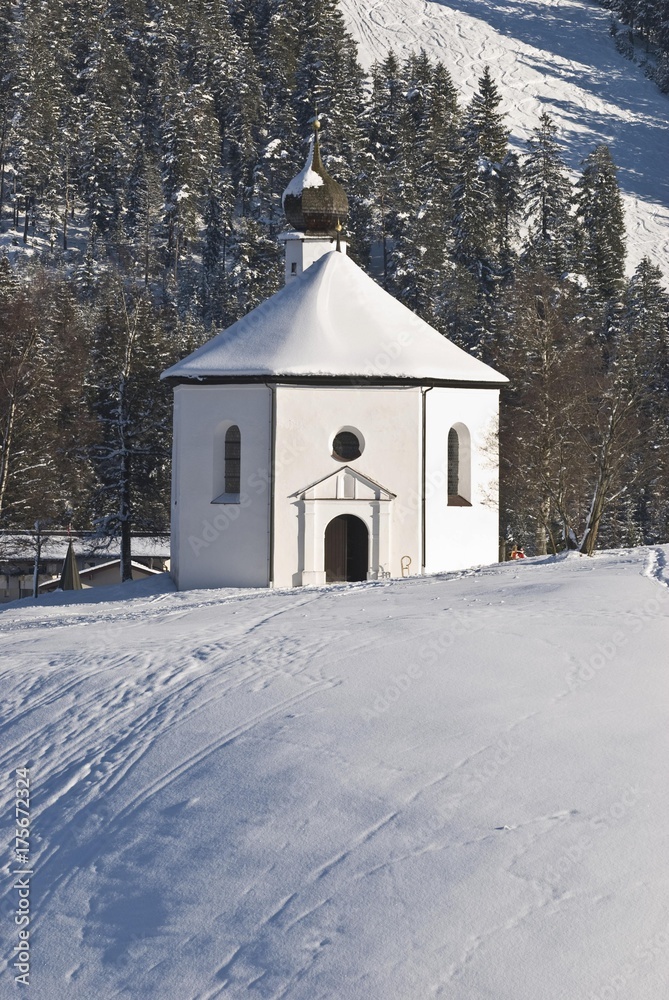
<point>333,320</point>
<point>69,579</point>
<point>313,201</point>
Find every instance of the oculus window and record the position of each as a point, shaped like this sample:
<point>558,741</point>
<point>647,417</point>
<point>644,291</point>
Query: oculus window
<point>346,446</point>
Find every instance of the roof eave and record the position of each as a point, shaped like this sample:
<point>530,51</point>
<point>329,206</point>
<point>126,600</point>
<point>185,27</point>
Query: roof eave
<point>342,380</point>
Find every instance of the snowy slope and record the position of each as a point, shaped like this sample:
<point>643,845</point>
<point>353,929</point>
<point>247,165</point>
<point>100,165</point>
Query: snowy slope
<point>445,787</point>
<point>552,55</point>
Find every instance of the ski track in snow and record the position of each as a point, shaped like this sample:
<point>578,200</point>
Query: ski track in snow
<point>356,859</point>
<point>656,568</point>
<point>546,55</point>
<point>124,683</point>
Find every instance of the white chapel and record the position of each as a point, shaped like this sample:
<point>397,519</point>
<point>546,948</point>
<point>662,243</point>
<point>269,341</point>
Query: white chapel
<point>330,435</point>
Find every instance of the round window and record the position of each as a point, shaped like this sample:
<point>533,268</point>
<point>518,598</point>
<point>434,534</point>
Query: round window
<point>346,446</point>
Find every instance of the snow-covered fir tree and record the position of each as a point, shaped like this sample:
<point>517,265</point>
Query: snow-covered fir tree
<point>547,200</point>
<point>602,224</point>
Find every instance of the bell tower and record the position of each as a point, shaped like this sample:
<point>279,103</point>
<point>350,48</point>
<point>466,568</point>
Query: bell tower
<point>315,206</point>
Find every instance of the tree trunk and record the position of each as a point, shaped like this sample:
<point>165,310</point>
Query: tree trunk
<point>2,185</point>
<point>38,552</point>
<point>67,201</point>
<point>6,451</point>
<point>384,240</point>
<point>3,136</point>
<point>542,529</point>
<point>11,415</point>
<point>597,506</point>
<point>126,524</point>
<point>147,236</point>
<point>605,469</point>
<point>589,539</point>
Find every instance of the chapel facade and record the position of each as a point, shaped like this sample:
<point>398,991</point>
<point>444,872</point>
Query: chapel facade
<point>330,435</point>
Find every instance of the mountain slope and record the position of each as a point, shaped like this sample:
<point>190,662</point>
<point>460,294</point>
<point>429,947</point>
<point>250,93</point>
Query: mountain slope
<point>546,55</point>
<point>439,787</point>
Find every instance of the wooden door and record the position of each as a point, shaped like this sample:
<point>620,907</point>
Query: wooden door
<point>336,535</point>
<point>346,549</point>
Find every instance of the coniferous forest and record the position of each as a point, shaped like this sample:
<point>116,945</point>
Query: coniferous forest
<point>144,147</point>
<point>647,37</point>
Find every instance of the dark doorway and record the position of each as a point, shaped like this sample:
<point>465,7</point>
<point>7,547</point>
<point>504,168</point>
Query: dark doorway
<point>346,549</point>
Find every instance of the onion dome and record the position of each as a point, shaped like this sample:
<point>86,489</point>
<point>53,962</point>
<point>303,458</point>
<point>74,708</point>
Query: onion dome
<point>313,202</point>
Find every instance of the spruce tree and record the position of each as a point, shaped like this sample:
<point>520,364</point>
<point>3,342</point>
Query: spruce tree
<point>384,129</point>
<point>485,205</point>
<point>144,211</point>
<point>480,215</point>
<point>253,271</point>
<point>109,124</point>
<point>37,129</point>
<point>8,95</point>
<point>547,197</point>
<point>420,262</point>
<point>642,350</point>
<point>602,229</point>
<point>218,222</point>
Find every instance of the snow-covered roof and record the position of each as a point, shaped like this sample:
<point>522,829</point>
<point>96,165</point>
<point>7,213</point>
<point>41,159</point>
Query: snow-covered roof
<point>333,320</point>
<point>92,571</point>
<point>21,546</point>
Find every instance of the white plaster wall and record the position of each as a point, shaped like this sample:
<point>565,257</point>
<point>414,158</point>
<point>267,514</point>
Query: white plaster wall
<point>390,421</point>
<point>216,545</point>
<point>302,251</point>
<point>458,537</point>
<point>220,545</point>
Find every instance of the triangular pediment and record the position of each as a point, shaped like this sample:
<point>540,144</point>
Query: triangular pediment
<point>344,484</point>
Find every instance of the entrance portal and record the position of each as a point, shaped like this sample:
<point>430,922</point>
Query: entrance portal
<point>346,549</point>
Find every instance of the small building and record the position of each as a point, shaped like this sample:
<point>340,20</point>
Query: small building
<point>17,560</point>
<point>330,434</point>
<point>106,574</point>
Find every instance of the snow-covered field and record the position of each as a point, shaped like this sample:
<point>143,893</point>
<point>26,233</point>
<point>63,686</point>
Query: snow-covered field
<point>445,787</point>
<point>546,55</point>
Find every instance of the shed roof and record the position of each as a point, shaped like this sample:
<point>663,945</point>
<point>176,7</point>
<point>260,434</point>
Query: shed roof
<point>333,321</point>
<point>16,546</point>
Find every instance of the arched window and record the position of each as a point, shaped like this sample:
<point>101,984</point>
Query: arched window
<point>459,467</point>
<point>233,459</point>
<point>453,464</point>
